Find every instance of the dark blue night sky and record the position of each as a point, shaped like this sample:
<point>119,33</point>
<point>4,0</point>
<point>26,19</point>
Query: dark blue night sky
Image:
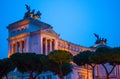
<point>74,20</point>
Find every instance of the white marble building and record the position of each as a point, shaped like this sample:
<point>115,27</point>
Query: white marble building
<point>32,35</point>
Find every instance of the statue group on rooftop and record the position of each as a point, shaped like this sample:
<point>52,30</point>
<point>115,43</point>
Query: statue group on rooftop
<point>32,13</point>
<point>100,40</point>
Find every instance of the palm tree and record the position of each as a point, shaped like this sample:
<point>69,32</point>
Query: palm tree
<point>60,60</point>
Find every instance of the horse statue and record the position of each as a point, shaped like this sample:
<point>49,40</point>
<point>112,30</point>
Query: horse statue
<point>27,14</point>
<point>100,40</point>
<point>31,14</point>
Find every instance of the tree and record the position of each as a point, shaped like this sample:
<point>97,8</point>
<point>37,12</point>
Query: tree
<point>106,55</point>
<point>115,59</point>
<point>55,68</point>
<point>44,61</point>
<point>28,62</point>
<point>66,68</point>
<point>83,58</point>
<point>60,60</point>
<point>6,66</point>
<point>1,69</point>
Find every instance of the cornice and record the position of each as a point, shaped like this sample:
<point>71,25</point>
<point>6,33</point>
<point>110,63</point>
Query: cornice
<point>73,44</point>
<point>18,36</point>
<point>18,23</point>
<point>29,21</point>
<point>43,32</point>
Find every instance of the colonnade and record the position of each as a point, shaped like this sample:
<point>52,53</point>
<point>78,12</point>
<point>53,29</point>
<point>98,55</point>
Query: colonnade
<point>48,45</point>
<point>117,71</point>
<point>18,46</point>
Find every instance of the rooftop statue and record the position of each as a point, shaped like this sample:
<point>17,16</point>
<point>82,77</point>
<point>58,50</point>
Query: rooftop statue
<point>97,36</point>
<point>100,40</point>
<point>27,7</point>
<point>27,14</point>
<point>37,15</point>
<point>31,14</point>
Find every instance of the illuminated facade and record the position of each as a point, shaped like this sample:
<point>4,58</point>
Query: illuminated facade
<point>99,70</point>
<point>32,35</point>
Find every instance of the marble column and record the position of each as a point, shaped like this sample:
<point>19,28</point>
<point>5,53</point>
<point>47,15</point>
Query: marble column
<point>41,45</point>
<point>23,45</point>
<point>51,45</point>
<point>20,42</point>
<point>27,44</point>
<point>46,47</point>
<point>16,47</point>
<point>118,71</point>
<point>11,48</point>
